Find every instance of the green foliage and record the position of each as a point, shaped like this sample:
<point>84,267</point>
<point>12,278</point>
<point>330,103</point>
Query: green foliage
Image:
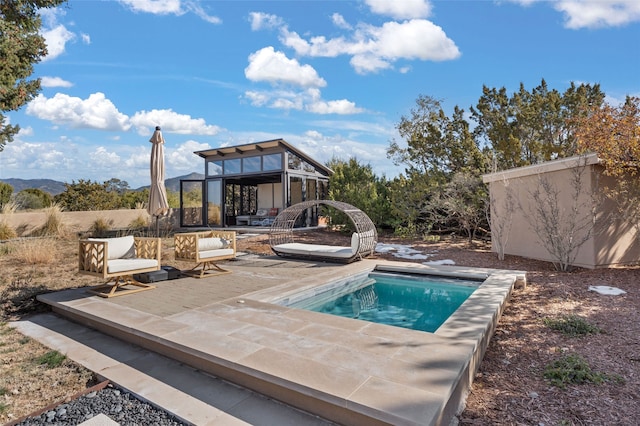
<point>571,325</point>
<point>134,199</point>
<point>356,184</point>
<point>21,46</point>
<point>3,407</point>
<point>6,191</point>
<point>530,127</point>
<point>436,145</point>
<point>51,359</point>
<point>573,369</point>
<point>86,195</point>
<point>33,199</point>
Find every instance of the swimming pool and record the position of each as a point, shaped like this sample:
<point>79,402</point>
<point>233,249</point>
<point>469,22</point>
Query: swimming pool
<point>416,302</point>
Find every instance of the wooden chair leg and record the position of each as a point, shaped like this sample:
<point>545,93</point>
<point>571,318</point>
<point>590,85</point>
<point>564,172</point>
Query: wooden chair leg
<point>116,287</point>
<point>202,269</point>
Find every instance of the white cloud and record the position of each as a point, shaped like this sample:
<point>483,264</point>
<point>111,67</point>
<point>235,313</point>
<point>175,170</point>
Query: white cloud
<point>340,22</point>
<point>261,21</point>
<point>182,159</point>
<point>274,67</point>
<point>104,158</point>
<point>56,40</point>
<point>374,48</point>
<point>86,38</point>
<point>95,112</point>
<point>597,14</point>
<point>54,82</point>
<point>170,7</point>
<point>594,13</point>
<point>171,122</point>
<point>156,7</point>
<point>400,9</point>
<point>309,100</point>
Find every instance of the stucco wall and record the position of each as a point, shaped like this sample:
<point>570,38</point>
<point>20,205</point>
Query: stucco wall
<point>612,241</point>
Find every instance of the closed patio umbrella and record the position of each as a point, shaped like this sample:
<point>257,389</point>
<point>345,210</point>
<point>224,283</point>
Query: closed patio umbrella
<point>158,204</point>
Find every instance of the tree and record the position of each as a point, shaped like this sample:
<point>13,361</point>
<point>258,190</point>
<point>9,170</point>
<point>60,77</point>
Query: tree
<point>21,46</point>
<point>531,127</point>
<point>356,184</point>
<point>33,199</point>
<point>613,132</point>
<point>5,193</point>
<point>436,145</point>
<point>87,196</point>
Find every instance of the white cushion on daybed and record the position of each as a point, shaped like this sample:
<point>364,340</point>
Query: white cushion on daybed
<point>123,265</point>
<point>318,249</point>
<point>215,253</point>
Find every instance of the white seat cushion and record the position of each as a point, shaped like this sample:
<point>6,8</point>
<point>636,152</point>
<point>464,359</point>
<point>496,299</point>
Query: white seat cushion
<point>205,254</point>
<point>124,265</point>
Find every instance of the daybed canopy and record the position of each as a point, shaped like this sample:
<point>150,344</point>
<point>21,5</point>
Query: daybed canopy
<point>363,240</point>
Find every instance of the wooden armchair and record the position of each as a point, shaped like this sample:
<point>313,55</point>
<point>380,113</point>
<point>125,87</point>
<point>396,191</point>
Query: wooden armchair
<point>116,260</point>
<point>206,249</point>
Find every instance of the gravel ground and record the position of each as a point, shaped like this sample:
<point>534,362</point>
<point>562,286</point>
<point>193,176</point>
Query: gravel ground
<point>120,406</point>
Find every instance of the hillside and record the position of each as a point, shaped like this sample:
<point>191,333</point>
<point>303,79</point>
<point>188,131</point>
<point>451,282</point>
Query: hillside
<point>55,187</point>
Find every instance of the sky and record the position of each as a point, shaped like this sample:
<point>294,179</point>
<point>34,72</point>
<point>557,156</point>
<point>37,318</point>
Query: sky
<point>333,78</point>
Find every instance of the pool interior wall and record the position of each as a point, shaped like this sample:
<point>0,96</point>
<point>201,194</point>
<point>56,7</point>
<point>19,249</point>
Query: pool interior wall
<point>419,302</point>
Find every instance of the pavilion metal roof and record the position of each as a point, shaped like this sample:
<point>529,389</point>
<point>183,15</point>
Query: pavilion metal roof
<point>258,147</point>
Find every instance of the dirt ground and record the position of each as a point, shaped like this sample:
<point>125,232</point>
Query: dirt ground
<point>509,389</point>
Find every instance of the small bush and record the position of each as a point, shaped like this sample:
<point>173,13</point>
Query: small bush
<point>51,359</point>
<point>573,369</point>
<point>100,227</point>
<point>139,223</point>
<point>35,251</point>
<point>53,225</point>
<point>6,231</point>
<point>3,407</point>
<point>571,325</point>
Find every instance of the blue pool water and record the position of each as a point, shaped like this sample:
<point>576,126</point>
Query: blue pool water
<point>416,302</point>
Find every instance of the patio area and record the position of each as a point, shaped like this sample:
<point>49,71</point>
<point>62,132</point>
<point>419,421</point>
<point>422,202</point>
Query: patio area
<point>343,370</point>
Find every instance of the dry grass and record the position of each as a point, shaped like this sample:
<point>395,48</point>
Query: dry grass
<point>510,388</point>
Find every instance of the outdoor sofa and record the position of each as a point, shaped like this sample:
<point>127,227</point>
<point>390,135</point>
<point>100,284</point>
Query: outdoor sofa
<point>205,249</point>
<point>116,260</point>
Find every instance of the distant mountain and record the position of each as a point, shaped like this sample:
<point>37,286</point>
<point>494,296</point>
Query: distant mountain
<point>173,184</point>
<point>55,187</point>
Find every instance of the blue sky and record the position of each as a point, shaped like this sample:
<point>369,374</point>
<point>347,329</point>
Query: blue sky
<point>333,78</point>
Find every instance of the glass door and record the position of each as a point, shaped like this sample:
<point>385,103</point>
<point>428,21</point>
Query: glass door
<point>214,202</point>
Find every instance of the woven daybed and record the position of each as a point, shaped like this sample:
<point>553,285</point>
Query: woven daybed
<point>363,240</point>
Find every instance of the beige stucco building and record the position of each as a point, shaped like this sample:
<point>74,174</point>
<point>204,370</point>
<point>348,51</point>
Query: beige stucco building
<point>570,192</point>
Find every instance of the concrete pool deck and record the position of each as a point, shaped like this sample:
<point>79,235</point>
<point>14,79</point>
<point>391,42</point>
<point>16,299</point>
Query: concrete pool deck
<point>343,370</point>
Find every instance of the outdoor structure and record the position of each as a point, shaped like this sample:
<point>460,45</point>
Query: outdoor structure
<point>250,184</point>
<point>363,239</point>
<point>571,192</point>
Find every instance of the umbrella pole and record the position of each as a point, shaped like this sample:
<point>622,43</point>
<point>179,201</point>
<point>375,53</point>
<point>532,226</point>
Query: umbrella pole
<point>157,226</point>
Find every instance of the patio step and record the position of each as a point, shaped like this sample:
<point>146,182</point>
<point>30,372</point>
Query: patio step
<point>191,395</point>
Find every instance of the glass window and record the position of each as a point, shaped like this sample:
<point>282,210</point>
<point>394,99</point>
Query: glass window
<point>272,162</point>
<point>232,167</point>
<point>295,163</point>
<point>214,168</point>
<point>250,164</point>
